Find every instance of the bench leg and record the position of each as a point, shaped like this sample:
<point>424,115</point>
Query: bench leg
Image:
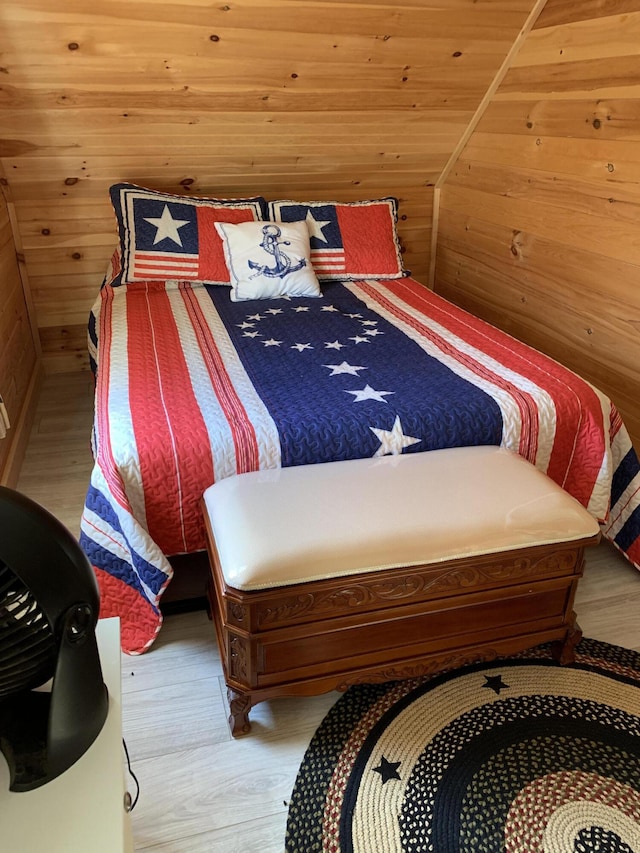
<point>564,651</point>
<point>239,707</point>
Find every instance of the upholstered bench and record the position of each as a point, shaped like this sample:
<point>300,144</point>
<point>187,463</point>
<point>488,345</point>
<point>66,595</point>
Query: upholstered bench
<point>323,576</point>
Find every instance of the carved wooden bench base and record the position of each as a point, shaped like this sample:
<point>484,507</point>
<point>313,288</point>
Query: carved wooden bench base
<point>323,635</point>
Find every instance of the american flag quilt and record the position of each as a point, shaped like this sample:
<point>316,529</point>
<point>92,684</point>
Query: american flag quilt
<point>192,387</point>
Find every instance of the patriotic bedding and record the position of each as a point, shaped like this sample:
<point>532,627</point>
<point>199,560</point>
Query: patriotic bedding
<point>192,387</point>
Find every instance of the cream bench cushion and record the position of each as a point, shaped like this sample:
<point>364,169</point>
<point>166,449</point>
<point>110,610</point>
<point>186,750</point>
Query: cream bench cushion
<point>311,522</point>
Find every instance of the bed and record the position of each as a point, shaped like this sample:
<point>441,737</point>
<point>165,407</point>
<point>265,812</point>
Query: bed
<point>192,387</point>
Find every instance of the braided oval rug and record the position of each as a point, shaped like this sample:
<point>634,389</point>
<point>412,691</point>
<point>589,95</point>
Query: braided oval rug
<point>519,755</point>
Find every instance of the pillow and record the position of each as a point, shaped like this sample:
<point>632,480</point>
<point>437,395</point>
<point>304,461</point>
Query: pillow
<point>164,236</point>
<point>348,240</point>
<point>267,260</point>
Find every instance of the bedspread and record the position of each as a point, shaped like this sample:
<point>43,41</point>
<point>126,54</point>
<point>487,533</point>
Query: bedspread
<point>191,388</point>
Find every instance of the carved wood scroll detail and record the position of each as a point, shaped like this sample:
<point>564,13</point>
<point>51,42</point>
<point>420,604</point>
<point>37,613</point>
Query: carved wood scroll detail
<point>238,657</point>
<point>239,707</point>
<point>357,595</point>
<point>416,670</point>
<point>237,613</point>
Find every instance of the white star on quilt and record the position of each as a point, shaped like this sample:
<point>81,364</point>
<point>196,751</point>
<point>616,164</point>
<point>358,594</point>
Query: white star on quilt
<point>286,296</point>
<point>315,226</point>
<point>393,441</point>
<point>369,393</point>
<point>273,311</point>
<point>369,322</point>
<point>354,316</point>
<point>345,367</point>
<point>328,308</point>
<point>359,340</point>
<point>167,226</point>
<point>373,332</point>
<point>301,347</point>
<point>333,345</point>
<point>245,325</point>
<point>271,343</point>
<point>302,308</point>
<point>251,335</point>
<point>255,317</point>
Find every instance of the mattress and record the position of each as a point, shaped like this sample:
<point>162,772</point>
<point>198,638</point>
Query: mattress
<point>192,388</point>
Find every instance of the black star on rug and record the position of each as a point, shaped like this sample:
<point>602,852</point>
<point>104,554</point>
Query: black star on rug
<point>388,769</point>
<point>495,683</point>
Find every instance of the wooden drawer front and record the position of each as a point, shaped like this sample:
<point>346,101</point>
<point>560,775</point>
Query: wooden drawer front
<point>329,649</point>
<point>359,594</point>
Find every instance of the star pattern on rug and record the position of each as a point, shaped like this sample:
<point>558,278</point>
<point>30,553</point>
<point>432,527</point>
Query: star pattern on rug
<point>387,769</point>
<point>545,768</point>
<point>495,683</point>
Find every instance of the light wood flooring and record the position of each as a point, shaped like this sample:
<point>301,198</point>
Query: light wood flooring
<point>201,791</point>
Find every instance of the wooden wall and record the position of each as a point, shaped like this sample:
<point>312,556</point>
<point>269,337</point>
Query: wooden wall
<point>310,99</point>
<point>540,217</point>
<point>18,353</point>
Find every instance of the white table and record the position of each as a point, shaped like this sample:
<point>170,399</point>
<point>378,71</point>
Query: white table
<point>81,810</point>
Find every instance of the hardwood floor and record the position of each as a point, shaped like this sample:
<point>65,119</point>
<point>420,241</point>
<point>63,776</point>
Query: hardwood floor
<point>201,791</point>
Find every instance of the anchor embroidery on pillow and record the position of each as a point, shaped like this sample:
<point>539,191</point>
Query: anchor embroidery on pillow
<point>283,263</point>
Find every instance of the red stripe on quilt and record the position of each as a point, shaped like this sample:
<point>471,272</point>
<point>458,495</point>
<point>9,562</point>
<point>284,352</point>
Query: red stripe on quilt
<point>139,623</point>
<point>615,422</point>
<point>173,443</point>
<point>105,458</point>
<point>633,552</point>
<point>579,444</point>
<point>242,431</point>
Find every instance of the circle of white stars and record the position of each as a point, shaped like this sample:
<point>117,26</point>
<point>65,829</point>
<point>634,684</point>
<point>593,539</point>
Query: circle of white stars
<point>392,441</point>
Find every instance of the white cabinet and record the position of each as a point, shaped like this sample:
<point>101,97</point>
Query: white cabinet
<point>82,811</point>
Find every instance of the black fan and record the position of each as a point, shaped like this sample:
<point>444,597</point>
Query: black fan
<point>48,612</point>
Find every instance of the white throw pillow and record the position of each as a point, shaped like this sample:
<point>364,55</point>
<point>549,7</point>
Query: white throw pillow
<point>268,259</point>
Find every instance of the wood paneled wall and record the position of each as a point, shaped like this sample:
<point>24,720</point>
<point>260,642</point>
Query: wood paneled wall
<point>18,353</point>
<point>540,217</point>
<point>310,99</point>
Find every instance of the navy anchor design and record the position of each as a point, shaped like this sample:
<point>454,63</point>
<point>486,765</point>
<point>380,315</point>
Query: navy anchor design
<point>271,245</point>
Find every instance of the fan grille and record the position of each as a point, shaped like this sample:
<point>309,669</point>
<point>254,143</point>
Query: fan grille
<point>27,643</point>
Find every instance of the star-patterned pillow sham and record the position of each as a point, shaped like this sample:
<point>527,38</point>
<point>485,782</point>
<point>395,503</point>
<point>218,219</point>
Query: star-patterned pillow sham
<point>349,240</point>
<point>268,259</point>
<point>165,236</point>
